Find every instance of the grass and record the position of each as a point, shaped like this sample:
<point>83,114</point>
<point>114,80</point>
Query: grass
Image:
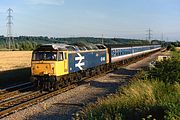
<point>140,100</point>
<point>14,67</point>
<point>14,59</point>
<point>178,48</point>
<point>176,54</point>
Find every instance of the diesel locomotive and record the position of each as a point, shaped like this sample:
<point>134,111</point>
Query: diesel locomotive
<point>58,65</point>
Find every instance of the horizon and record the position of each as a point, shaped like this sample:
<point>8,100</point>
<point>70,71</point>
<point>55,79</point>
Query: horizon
<point>85,18</point>
<point>85,37</point>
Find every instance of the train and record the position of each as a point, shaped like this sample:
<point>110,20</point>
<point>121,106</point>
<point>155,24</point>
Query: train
<point>57,65</point>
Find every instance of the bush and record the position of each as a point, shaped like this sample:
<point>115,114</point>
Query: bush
<point>171,47</point>
<point>167,71</point>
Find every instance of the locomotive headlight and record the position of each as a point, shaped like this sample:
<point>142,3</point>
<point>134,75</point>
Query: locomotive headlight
<point>52,66</point>
<point>33,66</point>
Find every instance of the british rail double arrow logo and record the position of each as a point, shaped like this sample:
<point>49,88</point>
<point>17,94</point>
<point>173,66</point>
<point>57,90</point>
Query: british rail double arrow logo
<point>80,63</point>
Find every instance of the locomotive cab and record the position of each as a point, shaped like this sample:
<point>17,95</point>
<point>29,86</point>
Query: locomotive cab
<point>48,63</point>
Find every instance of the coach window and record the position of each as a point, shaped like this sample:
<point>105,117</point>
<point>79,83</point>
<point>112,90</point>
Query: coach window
<point>116,53</point>
<point>60,56</point>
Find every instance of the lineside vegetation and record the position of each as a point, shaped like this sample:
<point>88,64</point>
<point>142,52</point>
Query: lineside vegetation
<point>152,95</point>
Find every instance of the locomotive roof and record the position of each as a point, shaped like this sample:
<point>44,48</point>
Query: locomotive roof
<point>68,47</point>
<point>51,47</point>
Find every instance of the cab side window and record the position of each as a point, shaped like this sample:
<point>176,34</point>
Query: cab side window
<point>60,56</point>
<point>65,56</point>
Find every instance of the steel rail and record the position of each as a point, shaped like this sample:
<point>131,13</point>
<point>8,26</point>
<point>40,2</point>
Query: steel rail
<point>15,87</point>
<point>12,94</point>
<point>22,102</point>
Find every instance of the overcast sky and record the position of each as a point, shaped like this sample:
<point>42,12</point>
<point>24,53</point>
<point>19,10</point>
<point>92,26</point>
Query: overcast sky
<point>112,18</point>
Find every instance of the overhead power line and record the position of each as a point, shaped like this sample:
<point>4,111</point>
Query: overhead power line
<point>149,34</point>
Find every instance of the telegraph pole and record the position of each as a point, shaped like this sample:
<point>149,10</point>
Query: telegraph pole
<point>10,38</point>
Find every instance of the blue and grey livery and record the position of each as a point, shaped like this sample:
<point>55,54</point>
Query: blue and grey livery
<point>55,65</point>
<point>86,59</point>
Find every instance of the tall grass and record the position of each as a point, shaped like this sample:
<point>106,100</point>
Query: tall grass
<point>140,100</point>
<point>176,54</point>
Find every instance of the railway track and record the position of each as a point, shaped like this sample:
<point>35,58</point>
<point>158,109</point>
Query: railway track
<point>13,88</point>
<point>24,101</point>
<point>14,91</point>
<point>21,102</point>
<point>9,104</point>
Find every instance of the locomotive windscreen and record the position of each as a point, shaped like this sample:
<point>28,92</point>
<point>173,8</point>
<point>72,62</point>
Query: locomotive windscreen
<point>42,55</point>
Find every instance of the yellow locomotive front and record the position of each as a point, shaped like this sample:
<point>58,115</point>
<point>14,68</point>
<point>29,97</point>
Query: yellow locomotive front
<point>47,65</point>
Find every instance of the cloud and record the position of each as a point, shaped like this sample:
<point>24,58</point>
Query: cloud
<point>46,2</point>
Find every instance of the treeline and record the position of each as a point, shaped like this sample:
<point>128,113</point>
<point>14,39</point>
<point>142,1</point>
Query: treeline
<point>24,45</point>
<point>29,42</point>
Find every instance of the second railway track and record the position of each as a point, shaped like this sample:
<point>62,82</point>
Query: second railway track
<point>15,87</point>
<point>24,101</point>
<point>13,93</point>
